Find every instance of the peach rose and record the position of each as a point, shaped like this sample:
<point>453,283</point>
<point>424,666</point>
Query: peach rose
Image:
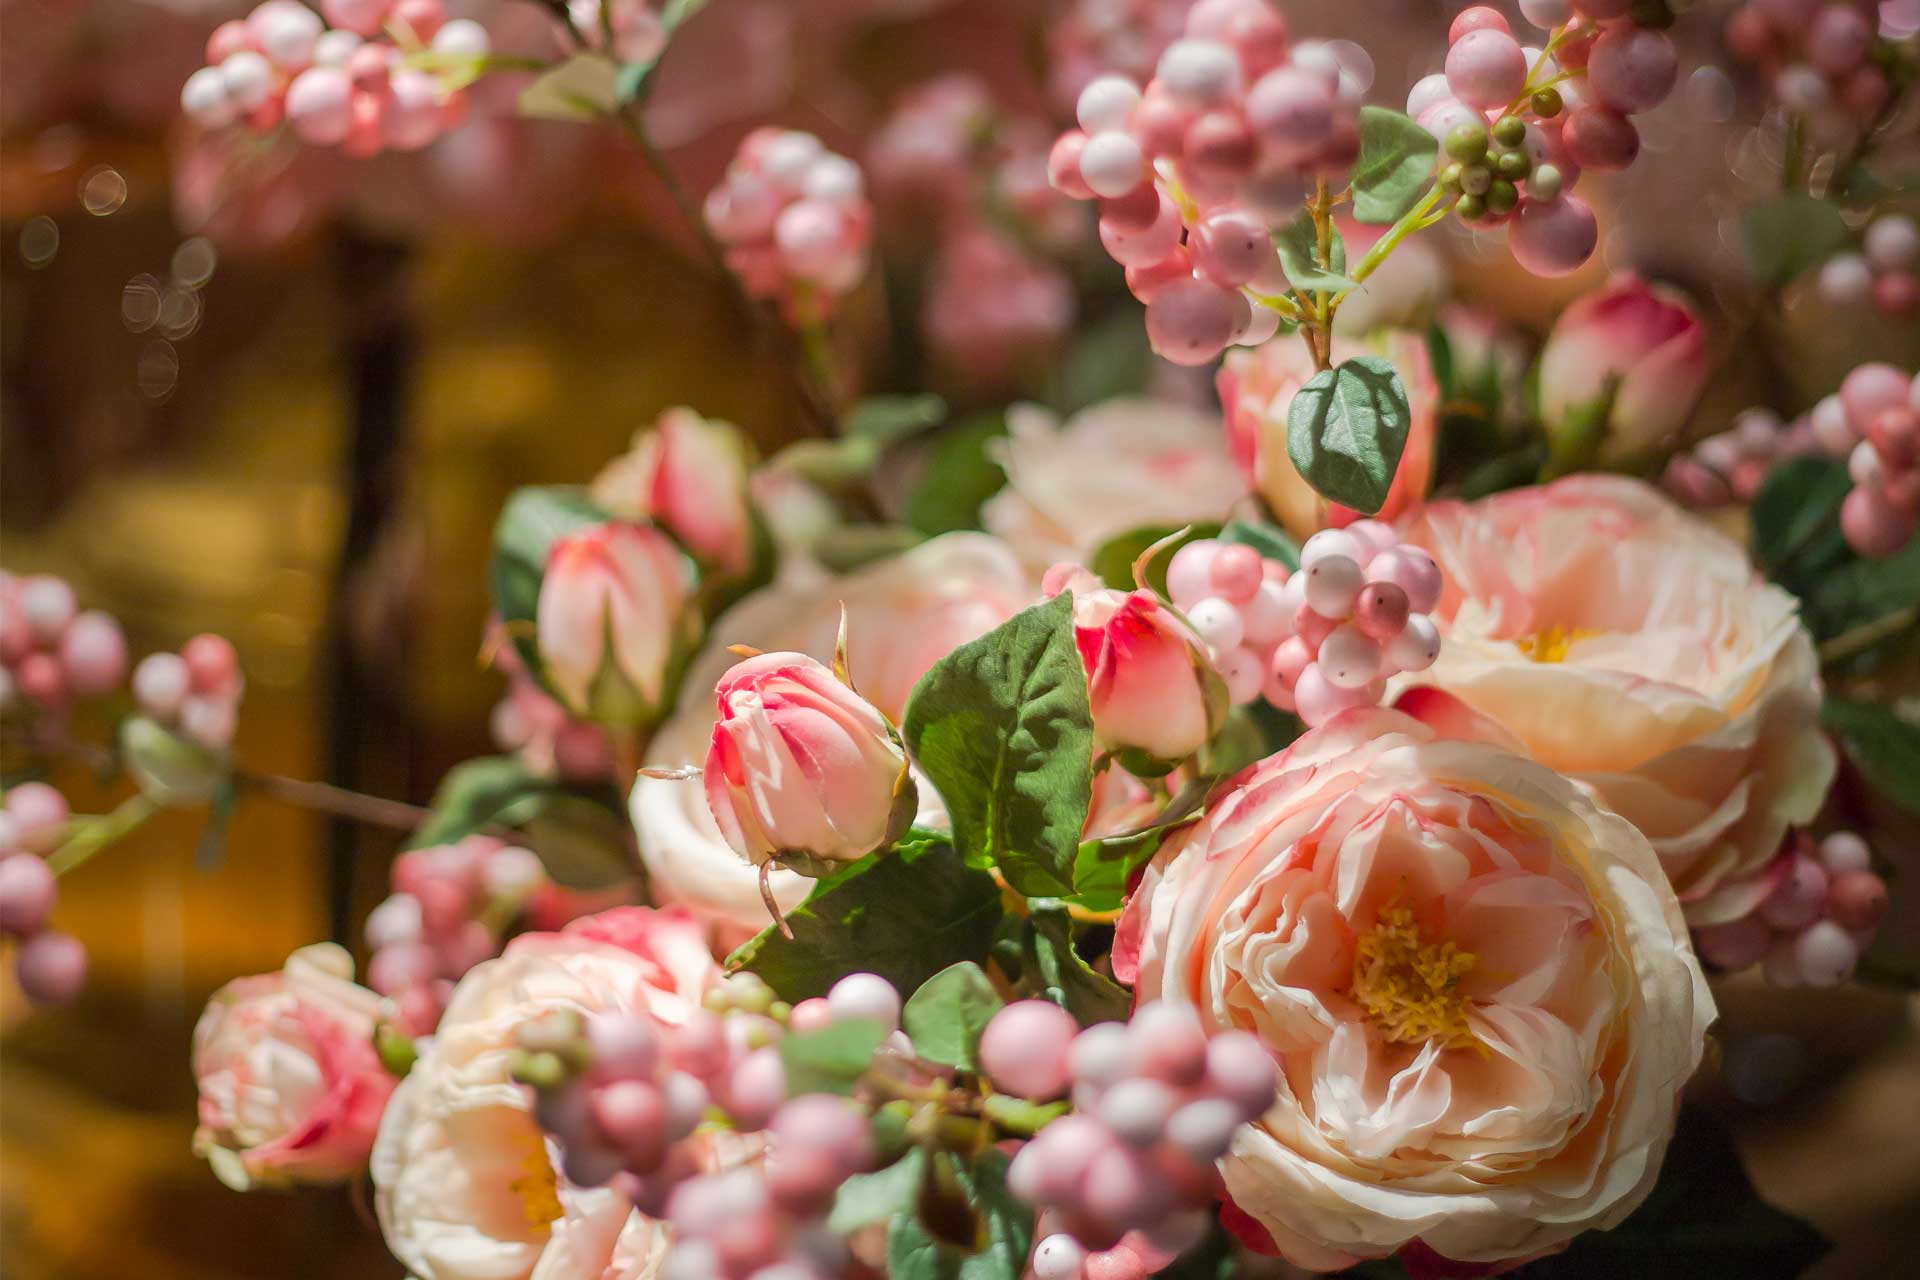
<point>1475,982</point>
<point>1615,638</point>
<point>903,614</point>
<point>1257,385</point>
<point>1107,469</point>
<point>466,1185</point>
<point>291,1089</point>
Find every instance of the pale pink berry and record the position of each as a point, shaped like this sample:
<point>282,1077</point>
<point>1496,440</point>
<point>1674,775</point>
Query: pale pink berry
<point>1349,658</point>
<point>413,114</point>
<point>1240,1070</point>
<point>1546,14</point>
<point>51,967</point>
<point>1824,955</point>
<point>1231,246</point>
<point>1333,584</point>
<point>1486,68</point>
<point>1024,1048</point>
<point>1267,618</point>
<point>1189,322</point>
<point>687,1101</point>
<point>1100,1055</point>
<point>1242,670</point>
<point>1202,73</point>
<point>249,79</point>
<point>94,653</point>
<point>363,17</point>
<point>1429,91</point>
<point>39,814</point>
<point>320,105</point>
<point>1331,542</point>
<point>160,682</point>
<point>27,893</point>
<point>1417,646</point>
<point>1289,660</point>
<point>1601,140</point>
<point>1479,17</point>
<point>1202,1130</point>
<point>48,604</point>
<point>1318,700</point>
<point>1843,851</point>
<point>230,37</point>
<point>1839,39</point>
<point>1124,1187</point>
<point>1217,622</point>
<point>1873,525</point>
<point>1292,113</point>
<point>1111,163</point>
<point>1736,945</point>
<point>624,1047</point>
<point>1797,900</point>
<point>633,1117</point>
<point>1411,569</point>
<point>1190,572</point>
<point>756,1088</point>
<point>826,1122</point>
<point>1553,237</point>
<point>285,32</point>
<point>204,98</point>
<point>1058,1257</point>
<point>211,722</point>
<point>1632,68</point>
<point>1148,245</point>
<point>1892,241</point>
<point>1106,102</point>
<point>810,1015</point>
<point>865,995</point>
<point>1169,1043</point>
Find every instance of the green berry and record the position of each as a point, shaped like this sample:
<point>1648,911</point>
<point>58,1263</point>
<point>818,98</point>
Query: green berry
<point>1475,179</point>
<point>1547,103</point>
<point>1510,131</point>
<point>1467,142</point>
<point>1513,164</point>
<point>1470,208</point>
<point>1546,182</point>
<point>1450,178</point>
<point>1502,196</point>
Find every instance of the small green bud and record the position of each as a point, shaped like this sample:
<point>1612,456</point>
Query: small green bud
<point>1513,165</point>
<point>1467,142</point>
<point>1546,183</point>
<point>1547,103</point>
<point>717,1000</point>
<point>779,1011</point>
<point>1450,178</point>
<point>1471,208</point>
<point>541,1070</point>
<point>1510,131</point>
<point>1502,196</point>
<point>1475,179</point>
<point>397,1053</point>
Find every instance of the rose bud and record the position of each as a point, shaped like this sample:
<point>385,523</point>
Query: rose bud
<point>1641,345</point>
<point>688,474</point>
<point>612,620</point>
<point>802,769</point>
<point>1155,696</point>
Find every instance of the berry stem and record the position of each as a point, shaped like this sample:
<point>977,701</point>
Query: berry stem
<point>88,836</point>
<point>1020,1117</point>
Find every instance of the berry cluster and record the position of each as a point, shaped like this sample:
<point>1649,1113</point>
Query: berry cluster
<point>1818,56</point>
<point>450,908</point>
<point>51,967</point>
<point>50,652</point>
<point>1520,124</point>
<point>1090,38</point>
<point>1193,171</point>
<point>1156,1102</point>
<point>1875,423</point>
<point>1732,465</point>
<point>1883,273</point>
<point>795,221</point>
<point>1320,640</point>
<point>195,691</point>
<point>340,83</point>
<point>1821,913</point>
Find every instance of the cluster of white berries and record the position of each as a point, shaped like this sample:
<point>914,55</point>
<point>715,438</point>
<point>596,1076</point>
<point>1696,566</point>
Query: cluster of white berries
<point>50,966</point>
<point>1320,640</point>
<point>450,906</point>
<point>1156,1102</point>
<point>1822,910</point>
<point>1818,56</point>
<point>196,691</point>
<point>51,652</point>
<point>1882,274</point>
<point>794,220</point>
<point>341,83</point>
<point>1194,171</point>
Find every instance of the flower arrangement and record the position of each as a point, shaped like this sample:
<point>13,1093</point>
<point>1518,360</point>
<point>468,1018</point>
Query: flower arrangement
<point>1305,812</point>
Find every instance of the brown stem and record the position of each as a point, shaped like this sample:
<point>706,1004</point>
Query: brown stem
<point>773,905</point>
<point>338,802</point>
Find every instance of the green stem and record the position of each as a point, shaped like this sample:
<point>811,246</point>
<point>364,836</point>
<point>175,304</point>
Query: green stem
<point>1409,222</point>
<point>88,836</point>
<point>1018,1116</point>
<point>1868,634</point>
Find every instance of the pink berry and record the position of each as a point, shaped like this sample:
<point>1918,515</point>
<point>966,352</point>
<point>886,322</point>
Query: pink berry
<point>624,1046</point>
<point>1148,245</point>
<point>1318,700</point>
<point>94,653</point>
<point>1873,525</point>
<point>1896,294</point>
<point>1236,573</point>
<point>1603,10</point>
<point>1381,609</point>
<point>1797,900</point>
<point>1189,322</point>
<point>212,665</point>
<point>1333,585</point>
<point>1049,1169</point>
<point>1231,246</point>
<point>1839,39</point>
<point>1311,627</point>
<point>1479,17</point>
<point>1266,618</point>
<point>42,679</point>
<point>632,1115</point>
<point>865,995</point>
<point>810,1015</point>
<point>229,38</point>
<point>1871,388</point>
<point>160,683</point>
<point>1024,1048</point>
<point>1825,955</point>
<point>1736,945</point>
<point>320,105</point>
<point>1190,572</point>
<point>39,814</point>
<point>412,116</point>
<point>51,967</point>
<point>425,17</point>
<point>828,1123</point>
<point>756,1088</point>
<point>1349,658</point>
<point>1100,1055</point>
<point>1289,660</point>
<point>698,1046</point>
<point>1243,670</point>
<point>1218,147</point>
<point>1411,569</point>
<point>1168,1042</point>
<point>1216,622</point>
<point>1553,237</point>
<point>1601,140</point>
<point>27,893</point>
<point>1145,282</point>
<point>1123,1187</point>
<point>1240,1069</point>
<point>1632,68</point>
<point>1486,68</point>
<point>1855,900</point>
<point>362,17</point>
<point>1844,851</point>
<point>48,604</point>
<point>1292,112</point>
<point>1202,1130</point>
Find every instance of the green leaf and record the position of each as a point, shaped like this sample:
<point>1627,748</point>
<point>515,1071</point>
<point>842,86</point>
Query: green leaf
<point>1113,562</point>
<point>1797,513</point>
<point>884,419</point>
<point>582,843</point>
<point>1103,867</point>
<point>833,1058</point>
<point>1053,970</point>
<point>1703,1218</point>
<point>959,476</point>
<point>1347,428</point>
<point>1395,165</point>
<point>947,1015</point>
<point>584,87</point>
<point>1002,729</point>
<point>1861,590</point>
<point>1790,233</point>
<point>1299,245</point>
<point>1252,732</point>
<point>475,794</point>
<point>904,914</point>
<point>1270,540</point>
<point>1884,745</point>
<point>1005,1227</point>
<point>533,517</point>
<point>869,1198</point>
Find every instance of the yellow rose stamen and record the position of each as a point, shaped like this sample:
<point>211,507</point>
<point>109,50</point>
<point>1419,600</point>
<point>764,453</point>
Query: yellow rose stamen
<point>1408,985</point>
<point>1551,644</point>
<point>537,1186</point>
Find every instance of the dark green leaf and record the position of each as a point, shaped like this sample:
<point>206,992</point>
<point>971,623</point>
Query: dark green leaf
<point>1053,970</point>
<point>1860,590</point>
<point>1704,1219</point>
<point>959,476</point>
<point>1797,513</point>
<point>1299,245</point>
<point>533,517</point>
<point>1790,233</point>
<point>833,1058</point>
<point>1395,165</point>
<point>1103,867</point>
<point>914,1253</point>
<point>1252,732</point>
<point>884,419</point>
<point>1346,430</point>
<point>882,1196</point>
<point>1884,745</point>
<point>582,843</point>
<point>904,915</point>
<point>1270,540</point>
<point>475,794</point>
<point>946,1016</point>
<point>1113,562</point>
<point>1001,728</point>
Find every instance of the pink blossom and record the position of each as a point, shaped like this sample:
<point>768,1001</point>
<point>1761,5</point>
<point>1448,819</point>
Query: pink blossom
<point>1149,683</point>
<point>1644,344</point>
<point>612,618</point>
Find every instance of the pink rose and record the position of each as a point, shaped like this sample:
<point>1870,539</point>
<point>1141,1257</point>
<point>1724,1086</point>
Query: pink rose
<point>1475,982</point>
<point>801,768</point>
<point>1257,385</point>
<point>1644,342</point>
<point>1613,637</point>
<point>689,475</point>
<point>612,619</point>
<point>291,1089</point>
<point>1150,685</point>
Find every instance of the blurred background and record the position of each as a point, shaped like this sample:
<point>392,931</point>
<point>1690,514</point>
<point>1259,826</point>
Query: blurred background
<point>281,396</point>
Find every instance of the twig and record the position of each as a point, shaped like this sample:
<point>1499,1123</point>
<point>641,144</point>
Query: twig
<point>337,802</point>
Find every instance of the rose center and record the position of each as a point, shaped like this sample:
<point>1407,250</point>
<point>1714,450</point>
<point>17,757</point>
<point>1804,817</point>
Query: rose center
<point>1409,985</point>
<point>1551,644</point>
<point>537,1186</point>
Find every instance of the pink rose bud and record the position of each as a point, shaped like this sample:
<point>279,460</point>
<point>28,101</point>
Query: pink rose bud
<point>1644,342</point>
<point>1151,687</point>
<point>689,474</point>
<point>802,767</point>
<point>611,619</point>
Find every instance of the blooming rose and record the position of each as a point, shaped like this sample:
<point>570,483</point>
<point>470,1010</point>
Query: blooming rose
<point>688,474</point>
<point>611,619</point>
<point>1108,469</point>
<point>291,1089</point>
<point>465,1184</point>
<point>1611,636</point>
<point>802,765</point>
<point>1644,342</point>
<point>1257,385</point>
<point>1475,982</point>
<point>903,614</point>
<point>1150,685</point>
